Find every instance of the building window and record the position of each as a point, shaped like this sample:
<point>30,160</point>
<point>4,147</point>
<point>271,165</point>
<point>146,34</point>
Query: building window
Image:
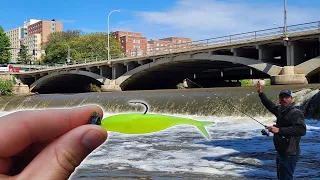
<point>136,41</point>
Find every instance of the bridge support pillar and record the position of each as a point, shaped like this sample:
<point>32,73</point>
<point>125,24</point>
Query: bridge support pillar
<point>118,70</point>
<point>288,76</point>
<point>131,65</point>
<point>36,77</point>
<point>112,86</point>
<point>106,71</point>
<point>238,52</point>
<point>265,53</point>
<point>295,53</point>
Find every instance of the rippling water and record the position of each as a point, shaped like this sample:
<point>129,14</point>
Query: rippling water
<point>236,150</point>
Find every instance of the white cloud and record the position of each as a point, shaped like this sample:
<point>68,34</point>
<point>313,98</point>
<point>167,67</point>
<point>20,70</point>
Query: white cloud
<point>201,19</point>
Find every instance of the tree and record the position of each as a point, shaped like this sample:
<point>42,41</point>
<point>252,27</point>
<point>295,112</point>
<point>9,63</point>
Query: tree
<point>24,57</point>
<point>56,53</point>
<point>5,54</point>
<point>62,36</point>
<point>89,46</point>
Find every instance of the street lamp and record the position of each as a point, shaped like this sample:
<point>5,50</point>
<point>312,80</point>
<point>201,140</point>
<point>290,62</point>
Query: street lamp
<point>109,32</point>
<point>285,20</point>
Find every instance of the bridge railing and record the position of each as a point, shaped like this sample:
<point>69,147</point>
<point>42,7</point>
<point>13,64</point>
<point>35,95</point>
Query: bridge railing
<point>245,37</point>
<point>218,41</point>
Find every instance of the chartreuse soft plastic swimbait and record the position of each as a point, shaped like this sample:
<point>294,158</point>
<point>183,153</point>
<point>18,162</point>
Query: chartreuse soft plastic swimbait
<point>135,123</point>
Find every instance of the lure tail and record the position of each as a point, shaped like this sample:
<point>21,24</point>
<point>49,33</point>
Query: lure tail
<point>201,127</point>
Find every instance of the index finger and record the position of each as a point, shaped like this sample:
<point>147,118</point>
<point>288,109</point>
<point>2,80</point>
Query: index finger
<point>20,129</point>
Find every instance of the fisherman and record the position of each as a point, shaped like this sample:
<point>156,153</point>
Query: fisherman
<point>289,128</point>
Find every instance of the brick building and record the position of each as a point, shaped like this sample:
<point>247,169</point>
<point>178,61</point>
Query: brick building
<point>166,45</point>
<point>133,43</point>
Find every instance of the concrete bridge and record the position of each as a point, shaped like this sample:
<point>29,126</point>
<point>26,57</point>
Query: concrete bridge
<point>293,58</point>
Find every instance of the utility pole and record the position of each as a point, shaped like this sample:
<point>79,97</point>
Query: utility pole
<point>68,56</point>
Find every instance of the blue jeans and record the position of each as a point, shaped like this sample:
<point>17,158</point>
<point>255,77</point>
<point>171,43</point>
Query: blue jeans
<point>286,165</point>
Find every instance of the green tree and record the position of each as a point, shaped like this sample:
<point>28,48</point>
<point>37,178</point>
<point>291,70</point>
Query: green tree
<point>23,56</point>
<point>66,36</point>
<point>56,53</point>
<point>5,54</point>
<point>89,46</point>
<point>95,45</point>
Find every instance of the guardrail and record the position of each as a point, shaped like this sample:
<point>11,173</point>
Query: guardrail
<point>248,36</point>
<point>223,40</point>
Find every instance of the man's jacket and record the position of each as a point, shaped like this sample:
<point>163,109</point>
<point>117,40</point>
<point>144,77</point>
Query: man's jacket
<point>290,121</point>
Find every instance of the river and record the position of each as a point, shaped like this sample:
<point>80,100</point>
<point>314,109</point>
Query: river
<point>236,150</point>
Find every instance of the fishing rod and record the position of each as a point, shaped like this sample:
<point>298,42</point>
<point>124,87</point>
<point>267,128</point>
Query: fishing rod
<point>263,131</point>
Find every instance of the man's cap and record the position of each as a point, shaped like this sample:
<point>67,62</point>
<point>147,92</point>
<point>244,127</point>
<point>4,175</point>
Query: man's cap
<point>286,91</point>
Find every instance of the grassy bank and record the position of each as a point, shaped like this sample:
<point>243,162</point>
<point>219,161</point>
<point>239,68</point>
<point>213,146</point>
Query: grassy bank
<point>6,87</point>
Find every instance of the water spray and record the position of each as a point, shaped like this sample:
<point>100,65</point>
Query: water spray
<point>263,131</point>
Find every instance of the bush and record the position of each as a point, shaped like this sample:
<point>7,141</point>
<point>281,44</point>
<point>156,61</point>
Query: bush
<point>268,83</point>
<point>250,82</point>
<point>94,88</point>
<point>246,82</point>
<point>6,87</point>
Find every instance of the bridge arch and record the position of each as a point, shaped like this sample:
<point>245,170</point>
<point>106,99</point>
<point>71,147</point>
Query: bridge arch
<point>309,67</point>
<point>71,78</point>
<point>266,68</point>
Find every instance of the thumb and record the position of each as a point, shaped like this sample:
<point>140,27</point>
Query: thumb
<point>59,159</point>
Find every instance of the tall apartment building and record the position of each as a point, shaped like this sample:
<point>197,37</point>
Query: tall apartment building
<point>166,45</point>
<point>33,34</point>
<point>44,28</point>
<point>15,35</point>
<point>133,43</point>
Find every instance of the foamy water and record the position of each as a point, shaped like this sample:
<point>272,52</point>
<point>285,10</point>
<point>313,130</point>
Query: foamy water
<point>236,150</point>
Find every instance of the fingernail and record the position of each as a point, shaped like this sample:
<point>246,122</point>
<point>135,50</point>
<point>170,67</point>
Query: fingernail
<point>92,139</point>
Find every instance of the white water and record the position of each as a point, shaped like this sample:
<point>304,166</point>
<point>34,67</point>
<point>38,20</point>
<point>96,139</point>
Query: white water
<point>236,149</point>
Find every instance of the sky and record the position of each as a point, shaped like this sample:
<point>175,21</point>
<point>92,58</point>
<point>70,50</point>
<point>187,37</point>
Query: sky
<point>196,19</point>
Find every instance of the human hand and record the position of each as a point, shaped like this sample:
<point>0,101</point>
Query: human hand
<point>259,88</point>
<point>273,129</point>
<point>47,144</point>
